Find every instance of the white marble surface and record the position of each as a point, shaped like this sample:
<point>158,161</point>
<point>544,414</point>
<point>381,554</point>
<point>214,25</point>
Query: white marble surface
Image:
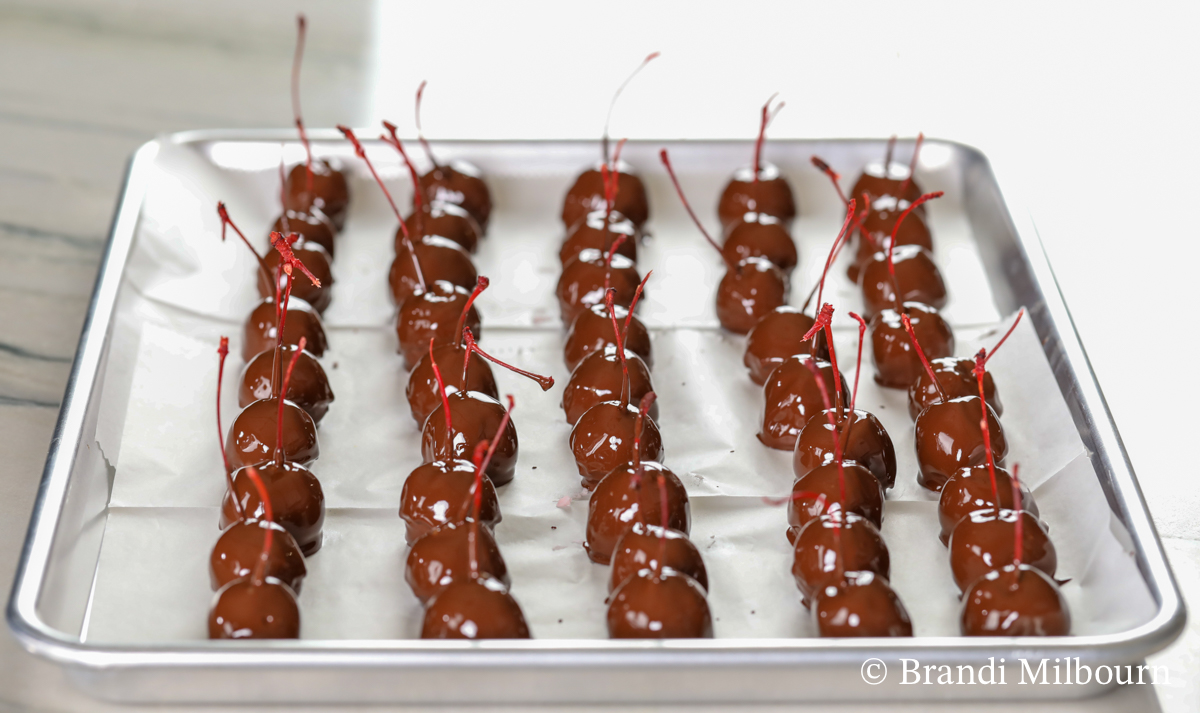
<point>1091,111</point>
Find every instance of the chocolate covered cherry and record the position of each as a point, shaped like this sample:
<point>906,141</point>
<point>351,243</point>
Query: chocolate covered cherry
<point>316,261</point>
<point>462,184</point>
<point>1016,600</point>
<point>750,289</point>
<point>630,494</point>
<point>956,378</point>
<point>949,438</point>
<point>862,604</point>
<point>600,377</point>
<point>312,227</point>
<point>439,313</point>
<point>877,226</point>
<point>474,417</point>
<point>761,235</point>
<point>592,331</point>
<point>439,493</point>
<point>474,608</point>
<point>830,545</point>
<point>328,191</point>
<point>970,489</point>
<point>308,388</point>
<point>985,540</point>
<point>302,322</point>
<point>864,495</point>
<point>252,437</point>
<point>602,439</point>
<point>643,546</point>
<point>863,440</point>
<point>442,556</point>
<point>758,188</point>
<point>422,390</point>
<point>441,260</point>
<point>792,397</point>
<point>447,220</point>
<point>296,495</point>
<point>889,178</point>
<point>586,276</point>
<point>659,605</point>
<point>916,273</point>
<point>591,233</point>
<point>587,195</point>
<point>240,547</point>
<point>245,610</point>
<point>897,363</point>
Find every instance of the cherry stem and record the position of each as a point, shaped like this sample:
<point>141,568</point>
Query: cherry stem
<point>633,303</point>
<point>1019,543</point>
<point>912,335</point>
<point>362,153</point>
<point>612,314</point>
<point>227,221</point>
<point>896,298</point>
<point>394,142</point>
<point>287,380</point>
<point>301,31</point>
<point>420,132</point>
<point>984,429</point>
<point>1003,339</point>
<point>480,285</point>
<point>223,351</point>
<point>437,374</point>
<point>833,176</point>
<point>282,299</point>
<point>260,569</point>
<point>638,424</point>
<point>822,323</point>
<point>837,441</point>
<point>610,178</point>
<point>912,166</point>
<point>842,238</point>
<point>546,382</point>
<point>472,526</point>
<point>666,161</point>
<point>887,157</point>
<point>768,115</point>
<point>290,261</point>
<point>608,258</point>
<point>862,331</point>
<point>613,102</point>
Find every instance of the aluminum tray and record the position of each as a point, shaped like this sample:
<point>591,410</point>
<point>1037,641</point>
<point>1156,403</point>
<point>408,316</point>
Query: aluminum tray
<point>53,585</point>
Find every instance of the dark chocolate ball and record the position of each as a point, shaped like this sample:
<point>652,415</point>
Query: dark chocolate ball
<point>761,235</point>
<point>864,496</point>
<point>587,195</point>
<point>448,220</point>
<point>831,545</point>
<point>474,418</point>
<point>777,336</point>
<point>875,232</point>
<point>260,331</point>
<point>628,495</point>
<point>643,546</point>
<point>957,378</point>
<point>749,291</point>
<point>252,437</point>
<point>243,609</point>
<point>474,608</point>
<point>592,331</point>
<point>422,391</point>
<point>864,441</point>
<point>314,227</point>
<point>328,191</point>
<point>590,233</point>
<point>659,605</point>
<point>239,550</point>
<point>1015,601</point>
<point>297,501</point>
<point>582,283</point>
<point>462,184</point>
<point>434,314</point>
<point>897,364</point>
<point>863,604</point>
<point>949,438</point>
<point>792,396</point>
<point>441,260</point>
<point>970,489</point>
<point>917,274</point>
<point>441,492</point>
<point>314,257</point>
<point>602,439</point>
<point>308,386</point>
<point>442,556</point>
<point>770,194</point>
<point>600,378</point>
<point>985,540</point>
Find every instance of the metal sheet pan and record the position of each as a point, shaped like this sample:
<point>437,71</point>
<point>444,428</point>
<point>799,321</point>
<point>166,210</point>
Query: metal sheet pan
<point>49,603</point>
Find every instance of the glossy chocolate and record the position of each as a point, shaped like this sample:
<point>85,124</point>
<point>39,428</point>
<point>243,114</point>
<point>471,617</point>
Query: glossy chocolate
<point>970,489</point>
<point>581,284</point>
<point>792,396</point>
<point>441,492</point>
<point>314,257</point>
<point>240,547</point>
<point>441,259</point>
<point>475,417</point>
<point>916,273</point>
<point>948,439</point>
<point>863,604</point>
<point>245,610</point>
<point>433,314</point>
<point>618,502</point>
<point>308,388</point>
<point>587,195</point>
<point>422,390</point>
<point>314,227</point>
<point>827,547</point>
<point>666,605</point>
<point>957,378</point>
<point>1015,601</point>
<point>602,440</point>
<point>251,439</point>
<point>592,331</point>
<point>442,556</point>
<point>297,501</point>
<point>982,542</point>
<point>462,184</point>
<point>448,220</point>
<point>749,291</point>
<point>770,195</point>
<point>864,496</point>
<point>474,608</point>
<point>260,333</point>
<point>761,235</point>
<point>641,547</point>
<point>864,441</point>
<point>897,364</point>
<point>590,233</point>
<point>875,232</point>
<point>876,184</point>
<point>777,336</point>
<point>330,191</point>
<point>599,378</point>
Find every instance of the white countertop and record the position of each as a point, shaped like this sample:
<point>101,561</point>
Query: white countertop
<point>1092,114</point>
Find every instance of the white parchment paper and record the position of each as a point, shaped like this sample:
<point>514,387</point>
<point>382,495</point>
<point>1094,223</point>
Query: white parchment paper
<point>185,288</point>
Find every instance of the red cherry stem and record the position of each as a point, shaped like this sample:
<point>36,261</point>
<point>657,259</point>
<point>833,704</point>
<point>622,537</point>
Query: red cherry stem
<point>1019,528</point>
<point>481,463</point>
<point>420,132</point>
<point>610,179</point>
<point>666,161</point>
<point>862,331</point>
<point>287,380</point>
<point>290,261</point>
<point>912,335</point>
<point>437,374</point>
<point>892,243</point>
<point>612,314</point>
<point>1003,339</point>
<point>613,102</point>
<point>822,323</point>
<point>842,237</point>
<point>282,298</point>
<point>546,382</point>
<point>984,429</point>
<point>227,221</point>
<point>912,166</point>
<point>260,569</point>
<point>362,153</point>
<point>633,303</point>
<point>768,115</point>
<point>480,285</point>
<point>837,441</point>
<point>223,351</point>
<point>301,31</point>
<point>608,258</point>
<point>887,157</point>
<point>833,177</point>
<point>394,142</point>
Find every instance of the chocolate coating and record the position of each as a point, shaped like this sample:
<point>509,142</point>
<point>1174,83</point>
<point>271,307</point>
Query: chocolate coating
<point>748,292</point>
<point>297,501</point>
<point>897,364</point>
<point>441,492</point>
<point>581,284</point>
<point>474,608</point>
<point>433,314</point>
<point>957,377</point>
<point>948,439</point>
<point>448,220</point>
<point>770,194</point>
<point>617,503</point>
<point>240,546</point>
<point>330,191</point>
<point>641,547</point>
<point>260,331</point>
<point>864,496</point>
<point>864,441</point>
<point>599,378</point>
<point>825,548</point>
<point>462,184</point>
<point>244,610</point>
<point>876,184</point>
<point>982,542</point>
<point>442,260</point>
<point>970,489</point>
<point>863,604</point>
<point>777,336</point>
<point>442,556</point>
<point>592,330</point>
<point>667,605</point>
<point>761,235</point>
<point>587,195</point>
<point>916,273</point>
<point>308,388</point>
<point>1015,601</point>
<point>422,390</point>
<point>875,233</point>
<point>316,260</point>
<point>251,438</point>
<point>602,440</point>
<point>792,396</point>
<point>474,417</point>
<point>590,233</point>
<point>314,227</point>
